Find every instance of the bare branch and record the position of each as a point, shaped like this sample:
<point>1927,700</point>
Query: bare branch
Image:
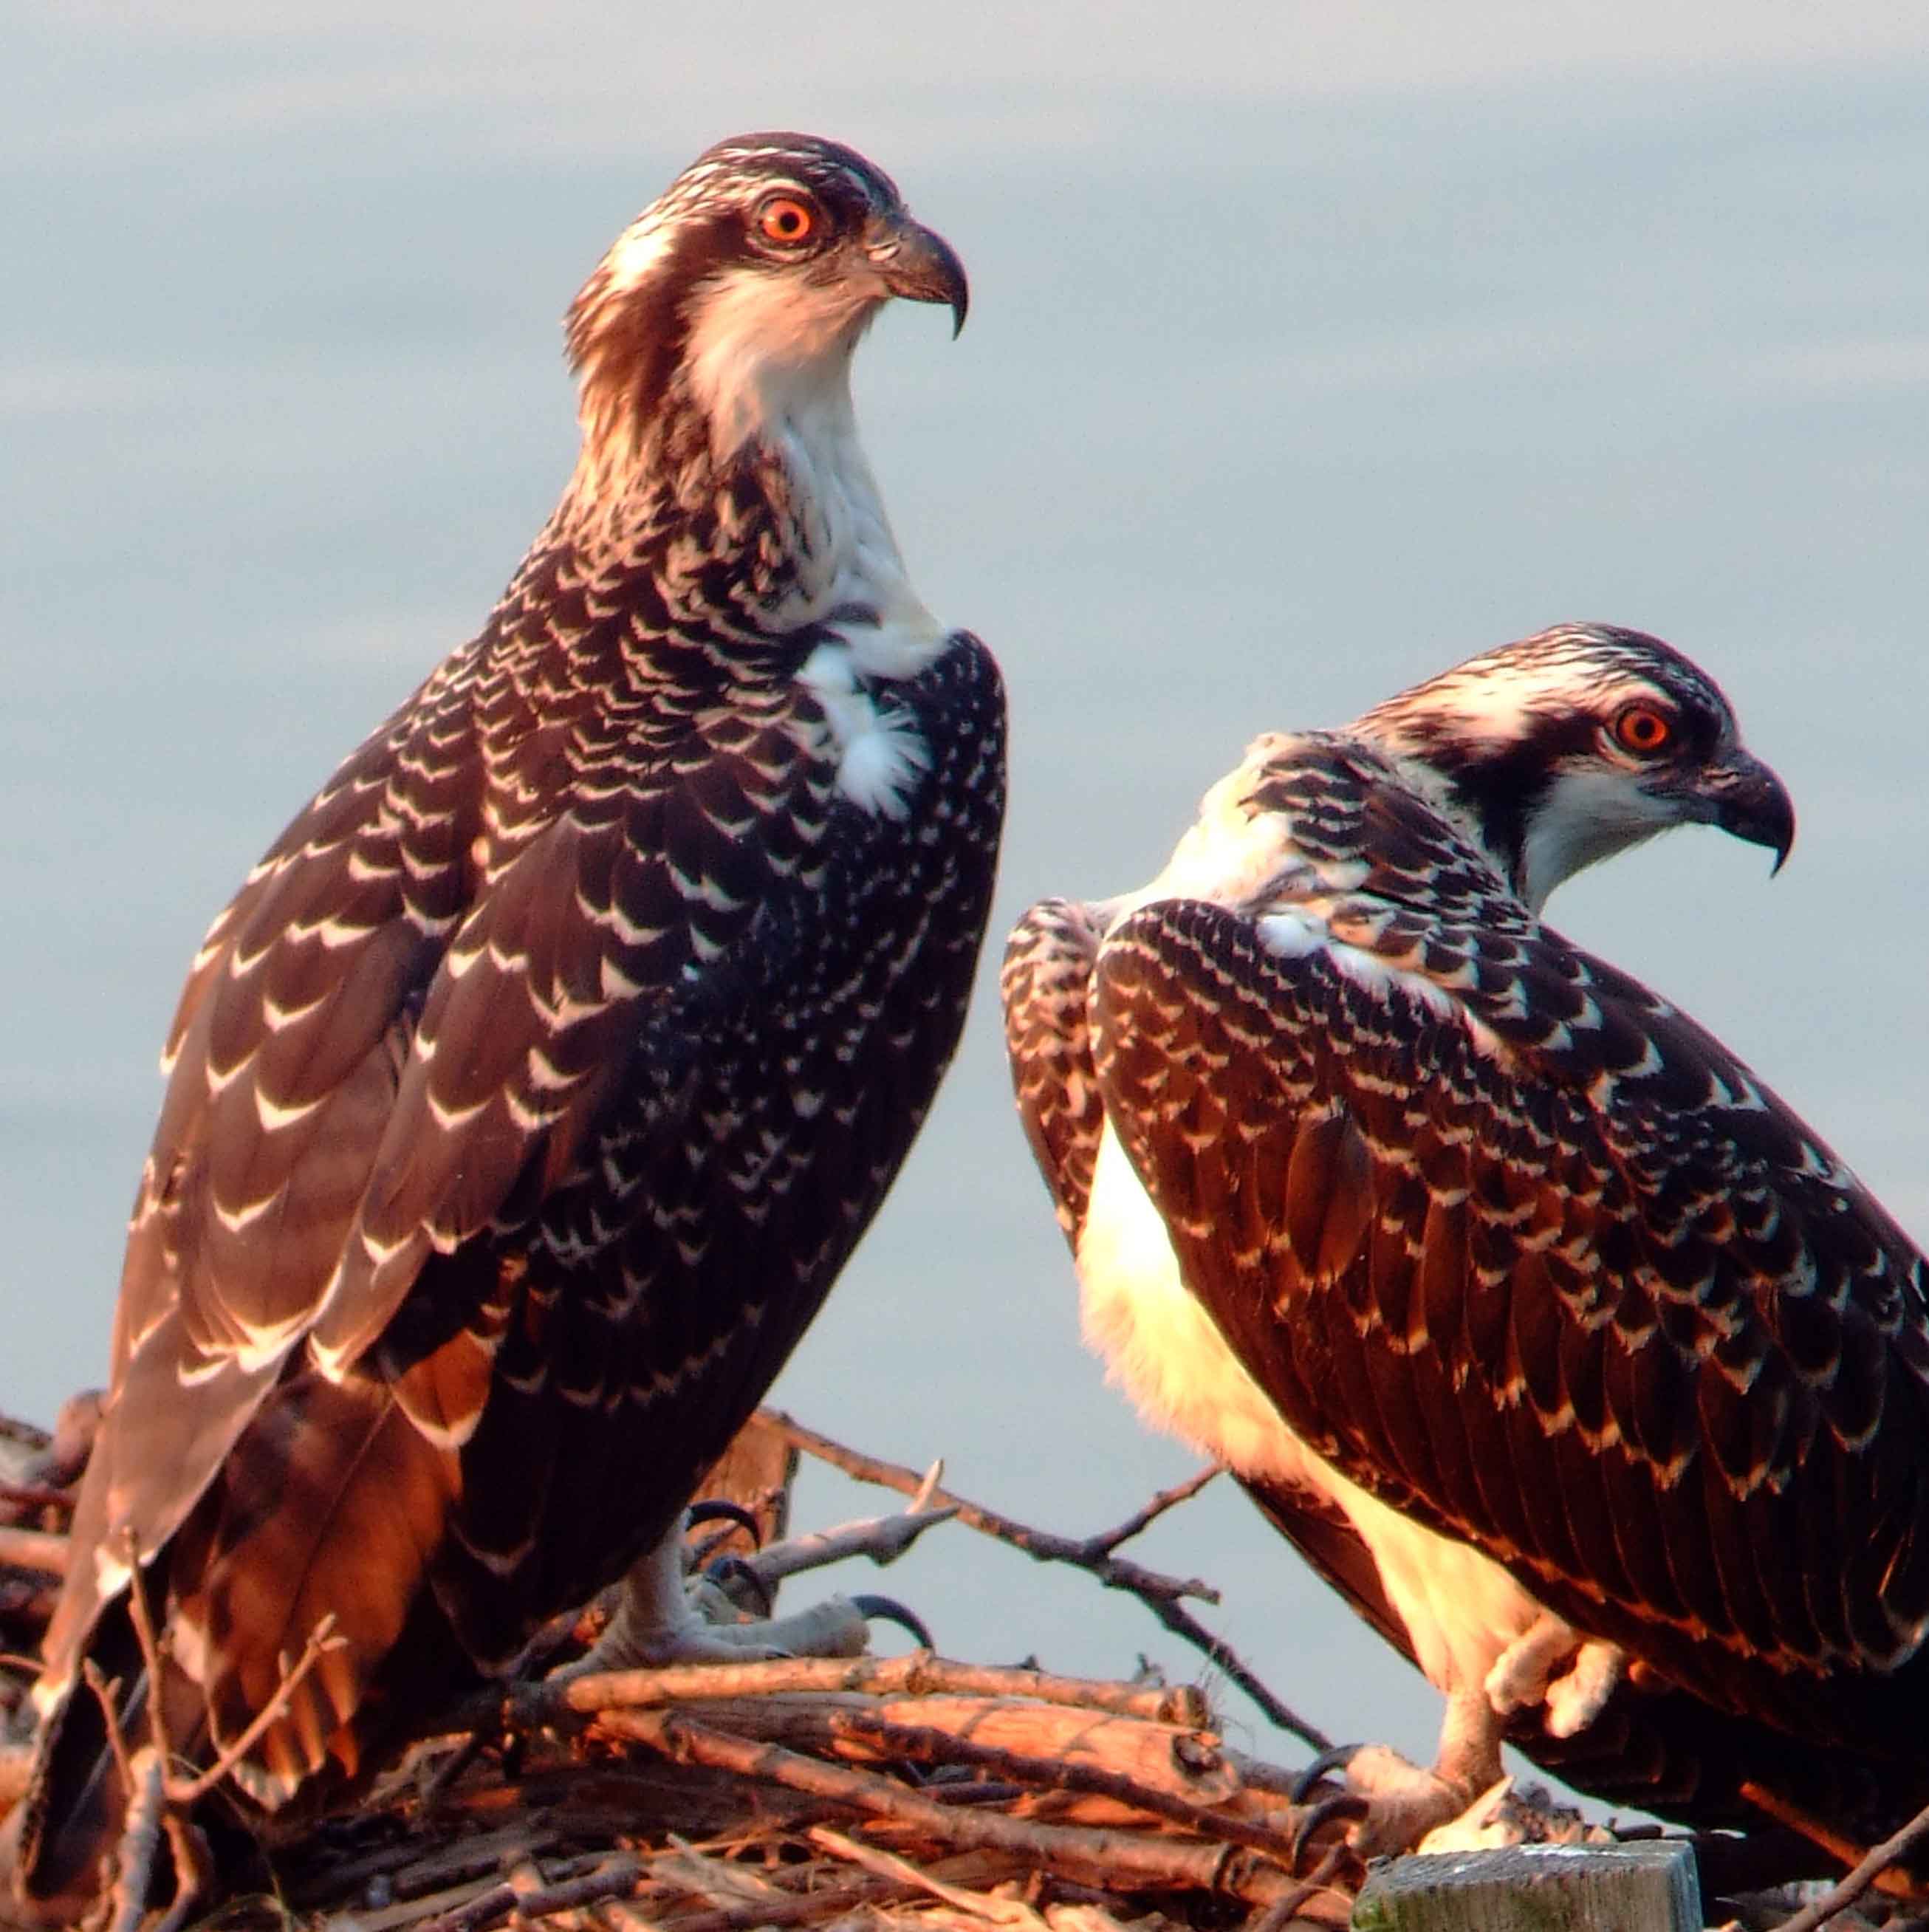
<point>1865,1874</point>
<point>1091,1855</point>
<point>184,1792</point>
<point>1088,1553</point>
<point>1140,1520</point>
<point>616,1878</point>
<point>919,1674</point>
<point>33,1550</point>
<point>140,1839</point>
<point>1160,1594</point>
<point>35,1495</point>
<point>886,1864</point>
<point>930,1744</point>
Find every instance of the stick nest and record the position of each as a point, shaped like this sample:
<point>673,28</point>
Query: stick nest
<point>899,1791</point>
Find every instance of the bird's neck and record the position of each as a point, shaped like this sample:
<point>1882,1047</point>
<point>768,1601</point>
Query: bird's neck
<point>1489,798</point>
<point>750,479</point>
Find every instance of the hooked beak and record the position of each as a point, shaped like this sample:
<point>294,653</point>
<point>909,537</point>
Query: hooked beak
<point>920,266</point>
<point>1746,800</point>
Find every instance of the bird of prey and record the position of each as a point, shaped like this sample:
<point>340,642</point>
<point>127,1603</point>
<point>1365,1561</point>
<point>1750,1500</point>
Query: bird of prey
<point>526,1100</point>
<point>1553,1338</point>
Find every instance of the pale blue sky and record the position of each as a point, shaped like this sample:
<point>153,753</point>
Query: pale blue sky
<point>1311,349</point>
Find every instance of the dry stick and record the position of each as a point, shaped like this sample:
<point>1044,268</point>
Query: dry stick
<point>1819,1832</point>
<point>1858,1881</point>
<point>1160,1594</point>
<point>1091,1553</point>
<point>927,1743</point>
<point>105,1691</point>
<point>149,1812</point>
<point>917,1674</point>
<point>788,1908</point>
<point>35,1495</point>
<point>140,1838</point>
<point>888,1865</point>
<point>613,1880</point>
<point>38,1549</point>
<point>1094,1856</point>
<point>186,1791</point>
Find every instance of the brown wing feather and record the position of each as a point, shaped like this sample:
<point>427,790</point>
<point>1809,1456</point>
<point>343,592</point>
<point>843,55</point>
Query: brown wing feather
<point>1044,983</point>
<point>1620,1225</point>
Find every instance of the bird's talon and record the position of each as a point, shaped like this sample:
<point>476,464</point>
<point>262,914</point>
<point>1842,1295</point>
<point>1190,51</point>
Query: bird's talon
<point>888,1610</point>
<point>1341,1804</point>
<point>721,1509</point>
<point>729,1570</point>
<point>1335,1757</point>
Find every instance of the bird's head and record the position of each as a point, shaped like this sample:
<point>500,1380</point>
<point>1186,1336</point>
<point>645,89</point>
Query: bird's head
<point>740,293</point>
<point>1574,745</point>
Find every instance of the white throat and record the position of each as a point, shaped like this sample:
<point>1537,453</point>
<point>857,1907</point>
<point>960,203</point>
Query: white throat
<point>770,363</point>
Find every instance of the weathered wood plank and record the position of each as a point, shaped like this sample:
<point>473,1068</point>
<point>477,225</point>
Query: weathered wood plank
<point>1648,1887</point>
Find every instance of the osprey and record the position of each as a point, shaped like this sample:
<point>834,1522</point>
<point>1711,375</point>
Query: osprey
<point>528,1097</point>
<point>1551,1337</point>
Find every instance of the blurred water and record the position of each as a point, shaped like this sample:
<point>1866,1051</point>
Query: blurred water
<point>1283,386</point>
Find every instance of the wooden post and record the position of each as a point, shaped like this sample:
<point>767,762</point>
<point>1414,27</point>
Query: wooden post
<point>1649,1886</point>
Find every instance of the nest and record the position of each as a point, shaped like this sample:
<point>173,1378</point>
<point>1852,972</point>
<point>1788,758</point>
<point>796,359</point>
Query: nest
<point>797,1792</point>
<point>904,1792</point>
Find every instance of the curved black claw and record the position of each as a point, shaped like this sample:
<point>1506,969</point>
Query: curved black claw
<point>728,1570</point>
<point>721,1509</point>
<point>1335,1757</point>
<point>1341,1805</point>
<point>891,1611</point>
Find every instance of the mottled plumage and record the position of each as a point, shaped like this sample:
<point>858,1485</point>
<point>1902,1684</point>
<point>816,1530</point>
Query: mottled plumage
<point>1562,1347</point>
<point>524,1103</point>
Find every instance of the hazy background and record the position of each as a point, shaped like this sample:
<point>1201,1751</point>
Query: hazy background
<point>1311,349</point>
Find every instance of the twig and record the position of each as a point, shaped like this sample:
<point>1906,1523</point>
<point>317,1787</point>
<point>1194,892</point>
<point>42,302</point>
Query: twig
<point>1091,1553</point>
<point>789,1908</point>
<point>1850,1889</point>
<point>105,1691</point>
<point>615,1879</point>
<point>193,1871</point>
<point>33,1550</point>
<point>35,1495</point>
<point>928,1744</point>
<point>150,1645</point>
<point>184,1792</point>
<point>916,1675</point>
<point>16,1769</point>
<point>1160,1594</point>
<point>1142,1519</point>
<point>887,1864</point>
<point>1093,1856</point>
<point>927,1489</point>
<point>140,1838</point>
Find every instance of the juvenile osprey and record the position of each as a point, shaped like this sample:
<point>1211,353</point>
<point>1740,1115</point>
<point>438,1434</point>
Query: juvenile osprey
<point>526,1101</point>
<point>1550,1335</point>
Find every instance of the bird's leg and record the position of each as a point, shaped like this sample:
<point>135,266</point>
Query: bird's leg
<point>660,1620</point>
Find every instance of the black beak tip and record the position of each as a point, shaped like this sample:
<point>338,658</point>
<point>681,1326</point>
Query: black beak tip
<point>922,266</point>
<point>1759,810</point>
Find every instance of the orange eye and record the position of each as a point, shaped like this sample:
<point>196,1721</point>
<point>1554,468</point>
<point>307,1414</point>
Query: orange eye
<point>786,219</point>
<point>1642,729</point>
